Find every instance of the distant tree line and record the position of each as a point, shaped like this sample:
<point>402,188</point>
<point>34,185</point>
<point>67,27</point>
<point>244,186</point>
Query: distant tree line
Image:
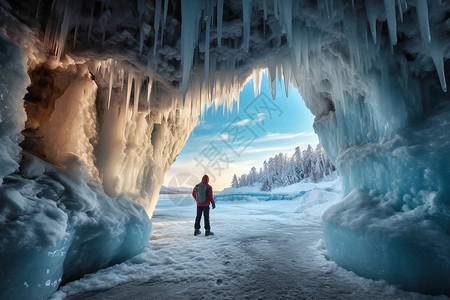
<point>282,170</point>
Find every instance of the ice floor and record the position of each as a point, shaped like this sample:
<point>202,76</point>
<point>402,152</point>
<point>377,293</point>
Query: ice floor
<point>260,250</point>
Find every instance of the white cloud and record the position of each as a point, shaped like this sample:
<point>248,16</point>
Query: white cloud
<point>285,136</point>
<point>242,122</point>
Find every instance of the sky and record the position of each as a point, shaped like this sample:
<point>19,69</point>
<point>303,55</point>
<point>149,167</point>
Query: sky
<point>225,144</point>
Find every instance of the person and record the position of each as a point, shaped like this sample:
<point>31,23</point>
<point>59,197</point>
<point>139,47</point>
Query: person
<point>203,195</point>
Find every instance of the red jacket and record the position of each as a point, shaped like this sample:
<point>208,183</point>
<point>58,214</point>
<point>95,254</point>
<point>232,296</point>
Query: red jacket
<point>205,179</point>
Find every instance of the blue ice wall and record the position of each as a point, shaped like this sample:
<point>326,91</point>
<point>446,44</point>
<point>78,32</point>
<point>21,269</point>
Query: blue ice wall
<point>54,230</point>
<point>389,135</point>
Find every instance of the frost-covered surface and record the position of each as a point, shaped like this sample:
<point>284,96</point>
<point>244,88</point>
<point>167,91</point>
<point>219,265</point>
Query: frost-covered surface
<point>400,220</point>
<point>55,228</point>
<point>262,249</point>
<point>13,81</point>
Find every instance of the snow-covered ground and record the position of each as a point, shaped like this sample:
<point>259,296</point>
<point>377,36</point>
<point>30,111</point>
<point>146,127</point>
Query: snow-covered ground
<point>260,250</point>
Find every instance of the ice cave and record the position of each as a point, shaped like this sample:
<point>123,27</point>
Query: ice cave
<point>97,98</point>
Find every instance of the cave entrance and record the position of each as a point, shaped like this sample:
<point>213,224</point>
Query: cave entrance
<point>246,140</point>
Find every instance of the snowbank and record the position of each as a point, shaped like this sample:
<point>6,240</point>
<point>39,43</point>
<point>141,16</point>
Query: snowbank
<point>294,191</point>
<point>54,229</point>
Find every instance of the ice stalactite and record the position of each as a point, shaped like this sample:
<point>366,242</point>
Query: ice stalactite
<point>188,39</point>
<point>156,27</point>
<point>129,154</point>
<point>422,16</point>
<point>111,78</point>
<point>257,76</point>
<point>219,21</point>
<point>129,86</point>
<point>389,6</point>
<point>163,25</point>
<point>286,12</point>
<point>209,10</point>
<point>246,20</point>
<point>374,11</point>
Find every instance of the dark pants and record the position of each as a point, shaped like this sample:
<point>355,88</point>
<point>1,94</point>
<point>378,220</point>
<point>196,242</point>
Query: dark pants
<point>205,211</point>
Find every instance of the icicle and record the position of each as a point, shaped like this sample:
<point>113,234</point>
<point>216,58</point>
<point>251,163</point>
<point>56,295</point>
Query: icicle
<point>389,6</point>
<point>166,4</point>
<point>137,93</point>
<point>272,78</point>
<point>287,69</point>
<point>422,15</point>
<point>37,9</point>
<point>219,21</point>
<point>247,15</point>
<point>209,9</point>
<point>372,18</point>
<point>75,36</point>
<point>275,9</point>
<point>265,16</point>
<point>127,101</point>
<point>122,78</point>
<point>156,26</point>
<point>64,31</point>
<point>111,76</point>
<point>212,74</point>
<point>297,41</point>
<point>256,76</point>
<point>436,52</point>
<point>286,13</point>
<point>305,49</point>
<point>353,4</point>
<point>400,10</point>
<point>149,89</point>
<point>189,22</point>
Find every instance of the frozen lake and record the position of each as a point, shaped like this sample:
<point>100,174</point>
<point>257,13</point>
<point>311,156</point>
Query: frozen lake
<point>260,250</point>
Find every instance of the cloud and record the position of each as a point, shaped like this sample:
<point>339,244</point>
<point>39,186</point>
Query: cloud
<point>285,136</point>
<point>261,117</point>
<point>242,122</point>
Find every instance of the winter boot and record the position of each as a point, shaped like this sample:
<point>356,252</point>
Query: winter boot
<point>197,232</point>
<point>208,232</point>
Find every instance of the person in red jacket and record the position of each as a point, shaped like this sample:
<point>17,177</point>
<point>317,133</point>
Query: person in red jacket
<point>203,195</point>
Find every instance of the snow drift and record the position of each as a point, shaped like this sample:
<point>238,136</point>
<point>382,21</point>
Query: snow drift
<point>373,73</point>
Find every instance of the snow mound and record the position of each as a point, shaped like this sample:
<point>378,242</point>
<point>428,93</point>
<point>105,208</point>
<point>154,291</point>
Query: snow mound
<point>54,230</point>
<point>314,203</point>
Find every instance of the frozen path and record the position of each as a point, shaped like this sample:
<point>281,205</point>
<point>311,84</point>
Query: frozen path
<point>261,250</point>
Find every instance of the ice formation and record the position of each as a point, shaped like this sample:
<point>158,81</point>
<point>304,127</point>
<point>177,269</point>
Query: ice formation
<point>117,86</point>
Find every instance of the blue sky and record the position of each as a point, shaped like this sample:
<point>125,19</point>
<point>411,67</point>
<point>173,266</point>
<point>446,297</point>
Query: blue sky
<point>225,144</point>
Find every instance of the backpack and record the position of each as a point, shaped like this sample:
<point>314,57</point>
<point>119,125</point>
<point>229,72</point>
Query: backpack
<point>201,192</point>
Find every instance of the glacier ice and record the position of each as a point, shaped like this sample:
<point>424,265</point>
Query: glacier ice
<point>54,229</point>
<point>372,72</point>
<point>12,114</point>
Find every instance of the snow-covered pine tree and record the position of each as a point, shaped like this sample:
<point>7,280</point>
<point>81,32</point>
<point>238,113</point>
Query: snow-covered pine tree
<point>243,180</point>
<point>298,164</point>
<point>252,176</point>
<point>234,181</point>
<point>308,155</point>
